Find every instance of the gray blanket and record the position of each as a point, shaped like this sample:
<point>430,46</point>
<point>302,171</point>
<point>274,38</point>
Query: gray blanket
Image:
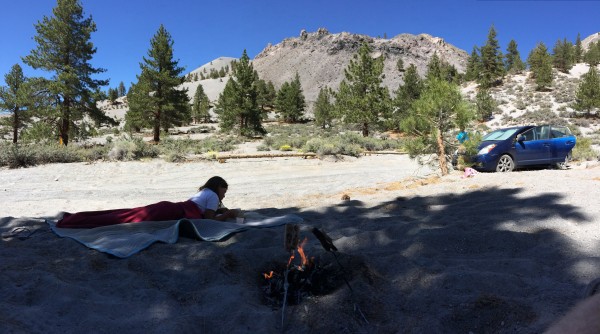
<point>124,240</point>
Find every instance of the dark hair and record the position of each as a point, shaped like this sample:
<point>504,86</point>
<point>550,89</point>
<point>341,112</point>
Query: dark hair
<point>214,183</point>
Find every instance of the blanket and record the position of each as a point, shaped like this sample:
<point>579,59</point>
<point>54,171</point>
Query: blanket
<point>124,240</point>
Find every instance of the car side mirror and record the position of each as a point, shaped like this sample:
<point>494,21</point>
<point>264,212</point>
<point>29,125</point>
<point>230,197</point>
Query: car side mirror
<point>521,138</point>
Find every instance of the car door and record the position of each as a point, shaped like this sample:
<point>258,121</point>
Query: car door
<point>562,142</point>
<point>533,146</point>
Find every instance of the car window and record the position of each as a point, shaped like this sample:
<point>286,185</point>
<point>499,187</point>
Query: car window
<point>499,134</point>
<point>542,132</point>
<point>528,135</point>
<point>559,131</point>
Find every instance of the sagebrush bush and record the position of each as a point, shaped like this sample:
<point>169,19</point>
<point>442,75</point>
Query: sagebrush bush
<point>583,150</point>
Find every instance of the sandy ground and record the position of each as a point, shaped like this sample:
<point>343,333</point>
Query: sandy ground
<point>495,253</point>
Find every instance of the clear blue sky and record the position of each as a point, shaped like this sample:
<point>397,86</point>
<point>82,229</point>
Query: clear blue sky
<point>205,30</point>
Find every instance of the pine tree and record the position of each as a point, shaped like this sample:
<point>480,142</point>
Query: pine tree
<point>324,108</point>
<point>237,106</point>
<point>592,56</point>
<point>439,68</point>
<point>492,67</point>
<point>200,106</point>
<point>15,99</point>
<point>473,64</point>
<point>165,104</point>
<point>578,51</point>
<point>266,95</point>
<point>406,94</point>
<point>514,63</point>
<point>540,64</point>
<point>113,94</point>
<point>400,65</point>
<point>121,90</point>
<point>563,55</point>
<point>588,93</point>
<point>485,104</point>
<point>362,99</point>
<point>290,100</point>
<point>439,110</point>
<point>64,49</point>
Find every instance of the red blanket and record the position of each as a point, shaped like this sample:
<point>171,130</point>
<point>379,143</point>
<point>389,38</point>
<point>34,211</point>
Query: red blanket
<point>153,212</point>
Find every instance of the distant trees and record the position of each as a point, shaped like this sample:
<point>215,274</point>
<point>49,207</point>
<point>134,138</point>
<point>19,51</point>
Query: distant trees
<point>200,106</point>
<point>63,48</point>
<point>485,104</point>
<point>266,95</point>
<point>563,55</point>
<point>324,108</point>
<point>15,98</point>
<point>361,98</point>
<point>592,56</point>
<point>491,68</point>
<point>121,91</point>
<point>290,100</point>
<point>237,106</point>
<point>588,93</point>
<point>406,94</point>
<point>156,100</point>
<point>514,63</point>
<point>473,65</point>
<point>540,64</point>
<point>578,49</point>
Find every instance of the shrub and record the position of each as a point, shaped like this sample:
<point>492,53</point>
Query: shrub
<point>583,150</point>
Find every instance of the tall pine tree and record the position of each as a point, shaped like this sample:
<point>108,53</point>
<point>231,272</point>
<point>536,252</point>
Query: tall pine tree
<point>362,99</point>
<point>473,64</point>
<point>578,51</point>
<point>324,108</point>
<point>588,92</point>
<point>64,49</point>
<point>563,55</point>
<point>406,94</point>
<point>237,106</point>
<point>540,64</point>
<point>514,63</point>
<point>157,101</point>
<point>200,106</point>
<point>290,100</point>
<point>492,65</point>
<point>15,98</point>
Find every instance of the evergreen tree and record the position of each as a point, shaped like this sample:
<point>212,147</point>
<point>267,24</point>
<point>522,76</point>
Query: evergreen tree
<point>362,99</point>
<point>540,64</point>
<point>485,104</point>
<point>400,65</point>
<point>266,95</point>
<point>324,108</point>
<point>15,98</point>
<point>592,56</point>
<point>160,102</point>
<point>121,90</point>
<point>406,94</point>
<point>64,49</point>
<point>578,51</point>
<point>237,106</point>
<point>439,110</point>
<point>473,64</point>
<point>200,106</point>
<point>290,100</point>
<point>113,94</point>
<point>438,68</point>
<point>514,63</point>
<point>563,55</point>
<point>588,92</point>
<point>492,65</point>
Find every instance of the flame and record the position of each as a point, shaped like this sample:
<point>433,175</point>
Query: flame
<point>269,275</point>
<point>301,252</point>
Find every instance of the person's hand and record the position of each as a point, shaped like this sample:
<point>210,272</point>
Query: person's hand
<point>230,214</point>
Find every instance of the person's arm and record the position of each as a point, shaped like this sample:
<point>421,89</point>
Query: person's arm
<point>221,215</point>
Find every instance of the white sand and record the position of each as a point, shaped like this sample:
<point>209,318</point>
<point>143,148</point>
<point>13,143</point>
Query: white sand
<point>494,253</point>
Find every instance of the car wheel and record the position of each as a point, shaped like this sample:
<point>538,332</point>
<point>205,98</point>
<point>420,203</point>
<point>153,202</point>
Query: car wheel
<point>505,164</point>
<point>563,164</point>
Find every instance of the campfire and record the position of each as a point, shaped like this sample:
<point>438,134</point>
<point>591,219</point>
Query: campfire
<point>301,276</point>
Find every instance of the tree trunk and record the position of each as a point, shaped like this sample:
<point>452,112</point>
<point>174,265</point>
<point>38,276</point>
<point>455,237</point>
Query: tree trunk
<point>15,125</point>
<point>442,153</point>
<point>64,126</point>
<point>156,129</point>
<point>365,129</point>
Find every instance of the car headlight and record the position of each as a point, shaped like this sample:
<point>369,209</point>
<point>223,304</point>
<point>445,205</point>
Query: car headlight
<point>486,149</point>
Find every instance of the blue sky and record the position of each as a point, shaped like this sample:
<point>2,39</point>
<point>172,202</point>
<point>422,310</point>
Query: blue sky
<point>205,30</point>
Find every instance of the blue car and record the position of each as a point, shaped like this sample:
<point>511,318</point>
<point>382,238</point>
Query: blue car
<point>506,149</point>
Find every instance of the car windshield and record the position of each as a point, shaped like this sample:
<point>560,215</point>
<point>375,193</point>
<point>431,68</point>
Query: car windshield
<point>500,134</point>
